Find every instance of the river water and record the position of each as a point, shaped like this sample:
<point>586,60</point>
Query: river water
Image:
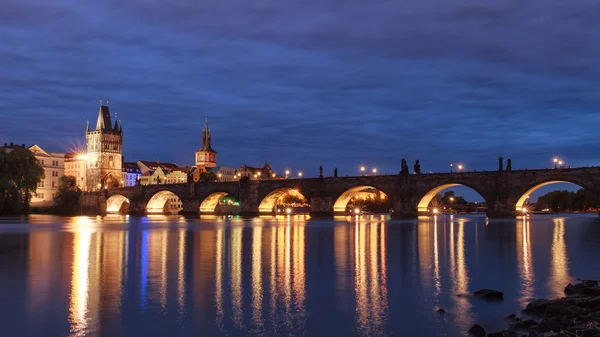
<point>286,276</point>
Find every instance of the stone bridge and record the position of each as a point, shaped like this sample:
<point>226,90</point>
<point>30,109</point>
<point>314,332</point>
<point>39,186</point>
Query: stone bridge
<point>504,192</point>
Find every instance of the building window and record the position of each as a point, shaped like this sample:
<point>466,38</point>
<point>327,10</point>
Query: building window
<point>41,183</point>
<point>53,183</point>
<point>40,195</point>
<point>42,161</point>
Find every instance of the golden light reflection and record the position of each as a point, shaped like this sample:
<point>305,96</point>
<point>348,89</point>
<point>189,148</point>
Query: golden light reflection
<point>79,285</point>
<point>424,249</point>
<point>559,265</point>
<point>459,274</point>
<point>257,288</point>
<point>219,278</point>
<point>237,299</point>
<point>287,289</point>
<point>525,260</point>
<point>370,281</point>
<point>181,272</point>
<point>436,259</point>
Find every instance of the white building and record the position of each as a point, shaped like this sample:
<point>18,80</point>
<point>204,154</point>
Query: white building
<point>224,173</point>
<point>131,173</point>
<point>54,168</point>
<point>76,166</point>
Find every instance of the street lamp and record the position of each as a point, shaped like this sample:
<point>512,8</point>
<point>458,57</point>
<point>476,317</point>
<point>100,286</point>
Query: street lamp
<point>374,171</point>
<point>300,174</point>
<point>560,163</point>
<point>362,170</point>
<point>460,167</point>
<point>273,175</point>
<point>287,173</point>
<point>219,175</point>
<point>451,166</point>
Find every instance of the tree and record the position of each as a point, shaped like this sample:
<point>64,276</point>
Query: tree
<point>67,200</point>
<point>20,173</point>
<point>207,177</point>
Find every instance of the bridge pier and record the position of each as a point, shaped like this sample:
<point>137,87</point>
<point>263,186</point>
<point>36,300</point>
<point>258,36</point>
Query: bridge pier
<point>322,207</point>
<point>191,206</point>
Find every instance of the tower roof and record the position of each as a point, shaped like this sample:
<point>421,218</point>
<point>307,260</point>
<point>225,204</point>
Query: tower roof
<point>206,138</point>
<point>103,122</point>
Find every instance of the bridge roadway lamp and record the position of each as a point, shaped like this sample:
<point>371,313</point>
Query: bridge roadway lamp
<point>300,174</point>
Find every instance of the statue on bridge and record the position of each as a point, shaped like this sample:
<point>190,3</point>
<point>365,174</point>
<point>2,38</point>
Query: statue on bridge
<point>417,167</point>
<point>335,172</point>
<point>404,167</point>
<point>321,172</point>
<point>500,164</point>
<point>508,165</point>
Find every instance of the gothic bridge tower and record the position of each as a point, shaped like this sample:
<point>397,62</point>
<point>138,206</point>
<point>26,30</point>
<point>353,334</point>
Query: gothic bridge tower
<point>104,151</point>
<point>206,156</point>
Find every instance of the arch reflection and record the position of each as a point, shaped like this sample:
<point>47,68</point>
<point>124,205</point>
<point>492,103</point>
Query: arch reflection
<point>524,259</point>
<point>559,261</point>
<point>370,279</point>
<point>459,277</point>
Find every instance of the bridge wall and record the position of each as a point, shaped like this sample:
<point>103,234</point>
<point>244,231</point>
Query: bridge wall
<point>409,193</point>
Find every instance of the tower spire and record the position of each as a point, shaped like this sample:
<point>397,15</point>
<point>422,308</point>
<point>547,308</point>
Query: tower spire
<point>87,126</point>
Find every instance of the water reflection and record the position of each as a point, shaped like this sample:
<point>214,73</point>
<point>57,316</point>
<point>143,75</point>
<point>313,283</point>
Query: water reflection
<point>524,259</point>
<point>80,282</point>
<point>370,280</point>
<point>459,278</point>
<point>260,277</point>
<point>559,262</point>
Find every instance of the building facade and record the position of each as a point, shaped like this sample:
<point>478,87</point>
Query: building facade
<point>130,174</point>
<point>257,173</point>
<point>224,173</point>
<point>76,166</point>
<point>54,168</point>
<point>206,156</point>
<point>104,152</point>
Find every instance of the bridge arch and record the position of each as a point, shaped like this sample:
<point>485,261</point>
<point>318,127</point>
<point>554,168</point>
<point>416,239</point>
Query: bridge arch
<point>268,203</point>
<point>164,201</point>
<point>115,203</point>
<point>211,202</point>
<point>341,203</point>
<point>425,200</point>
<point>520,205</point>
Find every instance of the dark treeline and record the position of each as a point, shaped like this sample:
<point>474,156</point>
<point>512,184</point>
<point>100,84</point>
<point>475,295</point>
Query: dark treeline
<point>20,174</point>
<point>566,201</point>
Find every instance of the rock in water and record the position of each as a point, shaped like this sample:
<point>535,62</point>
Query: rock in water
<point>528,323</point>
<point>441,311</point>
<point>505,333</point>
<point>490,295</point>
<point>477,331</point>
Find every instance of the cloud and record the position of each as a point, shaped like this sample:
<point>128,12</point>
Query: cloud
<point>307,83</point>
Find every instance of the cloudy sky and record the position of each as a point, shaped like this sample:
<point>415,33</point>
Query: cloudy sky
<point>314,82</point>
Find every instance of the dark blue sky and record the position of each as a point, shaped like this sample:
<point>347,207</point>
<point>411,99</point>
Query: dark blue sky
<point>314,82</point>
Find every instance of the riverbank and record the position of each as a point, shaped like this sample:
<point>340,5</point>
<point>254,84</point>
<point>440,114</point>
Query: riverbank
<point>576,314</point>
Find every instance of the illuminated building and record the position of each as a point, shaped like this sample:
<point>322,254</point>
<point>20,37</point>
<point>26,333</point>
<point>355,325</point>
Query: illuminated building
<point>105,152</point>
<point>54,168</point>
<point>130,174</point>
<point>206,156</point>
<point>75,166</point>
